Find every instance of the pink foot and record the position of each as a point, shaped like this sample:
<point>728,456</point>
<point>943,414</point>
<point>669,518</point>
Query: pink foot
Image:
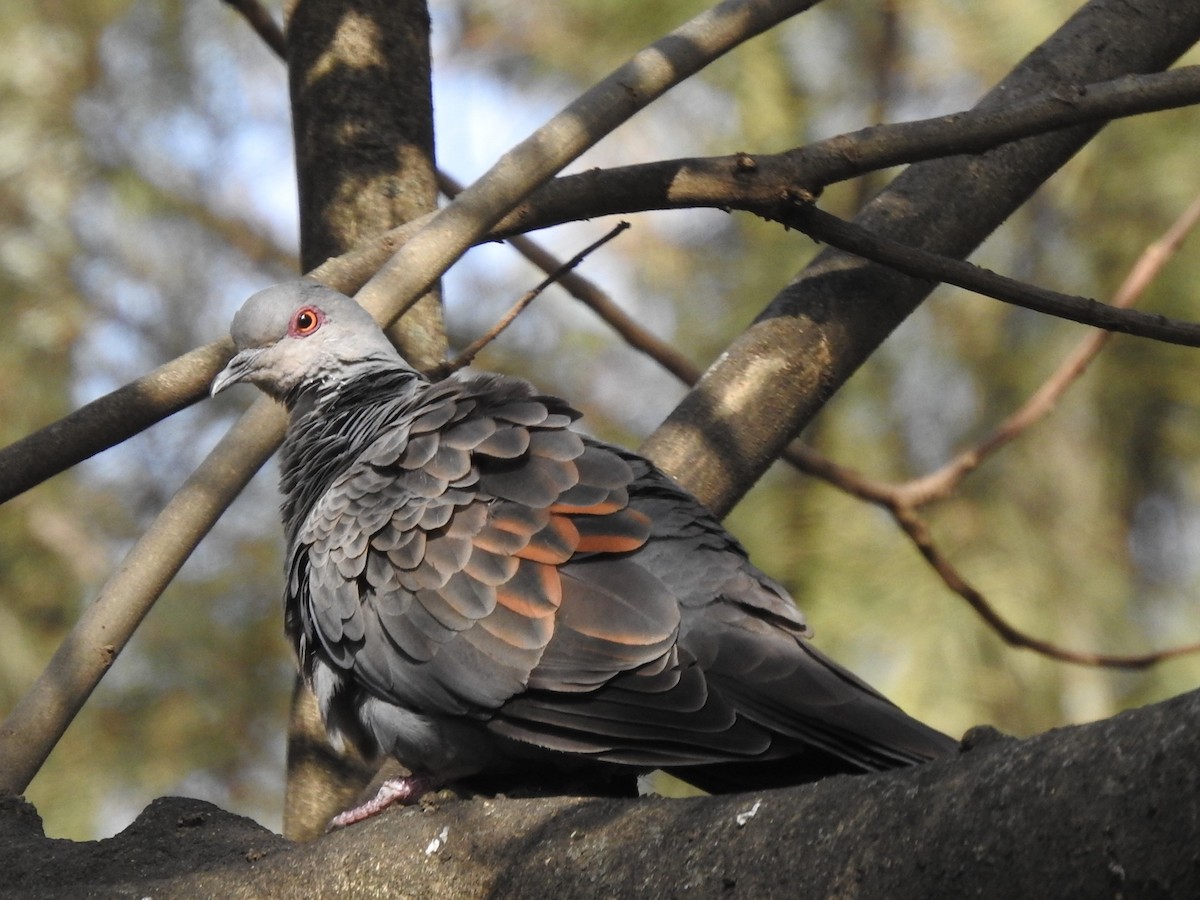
<point>405,791</point>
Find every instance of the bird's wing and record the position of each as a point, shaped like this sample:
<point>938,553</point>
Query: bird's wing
<point>743,681</point>
<point>668,711</point>
<point>433,568</point>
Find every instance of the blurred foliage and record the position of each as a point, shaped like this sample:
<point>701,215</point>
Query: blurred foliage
<point>145,189</point>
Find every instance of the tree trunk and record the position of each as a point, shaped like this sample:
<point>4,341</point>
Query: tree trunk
<point>362,117</point>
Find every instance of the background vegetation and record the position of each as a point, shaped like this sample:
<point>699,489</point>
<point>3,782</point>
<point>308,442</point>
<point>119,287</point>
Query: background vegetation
<point>146,188</point>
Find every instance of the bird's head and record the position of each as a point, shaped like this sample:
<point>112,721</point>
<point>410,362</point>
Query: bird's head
<point>301,334</point>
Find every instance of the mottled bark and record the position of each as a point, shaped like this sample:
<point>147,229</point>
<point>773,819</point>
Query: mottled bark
<point>362,117</point>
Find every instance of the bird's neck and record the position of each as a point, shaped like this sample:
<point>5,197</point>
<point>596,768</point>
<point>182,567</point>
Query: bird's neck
<point>332,424</point>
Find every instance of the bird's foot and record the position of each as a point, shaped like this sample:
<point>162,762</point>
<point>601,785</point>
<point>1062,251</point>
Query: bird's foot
<point>405,791</point>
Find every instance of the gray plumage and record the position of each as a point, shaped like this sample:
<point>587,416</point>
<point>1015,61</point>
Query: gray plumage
<point>474,587</point>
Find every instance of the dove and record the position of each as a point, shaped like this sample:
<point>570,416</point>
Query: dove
<point>479,589</point>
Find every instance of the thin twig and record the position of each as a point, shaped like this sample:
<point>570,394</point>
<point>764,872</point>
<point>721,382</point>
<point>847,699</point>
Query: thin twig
<point>621,322</point>
<point>472,350</point>
<point>902,500</point>
<point>941,482</point>
<point>591,295</point>
<point>927,266</point>
<point>914,526</point>
<point>263,24</point>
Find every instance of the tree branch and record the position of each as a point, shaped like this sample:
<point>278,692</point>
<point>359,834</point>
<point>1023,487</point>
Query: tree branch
<point>1095,810</point>
<point>111,419</point>
<point>263,23</point>
<point>918,531</point>
<point>938,484</point>
<point>820,328</point>
<point>42,715</point>
<point>935,267</point>
<point>903,500</point>
<point>752,183</point>
<point>767,184</point>
<point>594,114</point>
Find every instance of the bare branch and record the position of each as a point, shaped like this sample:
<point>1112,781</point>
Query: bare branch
<point>595,113</point>
<point>620,321</point>
<point>768,184</point>
<point>588,293</point>
<point>980,129</point>
<point>556,274</point>
<point>903,500</point>
<point>918,532</point>
<point>928,266</point>
<point>754,183</point>
<point>941,482</point>
<point>110,419</point>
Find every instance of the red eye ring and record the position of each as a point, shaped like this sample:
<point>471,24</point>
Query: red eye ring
<point>306,320</point>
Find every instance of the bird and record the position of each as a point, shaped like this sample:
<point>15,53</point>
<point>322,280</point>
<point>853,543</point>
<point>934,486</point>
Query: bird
<point>479,589</point>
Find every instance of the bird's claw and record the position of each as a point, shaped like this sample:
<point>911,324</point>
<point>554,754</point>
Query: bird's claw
<point>405,791</point>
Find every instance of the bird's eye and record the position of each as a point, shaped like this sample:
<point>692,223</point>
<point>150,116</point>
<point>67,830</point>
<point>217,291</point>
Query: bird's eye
<point>306,321</point>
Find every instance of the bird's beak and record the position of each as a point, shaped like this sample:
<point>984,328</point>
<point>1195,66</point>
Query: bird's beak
<point>237,369</point>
